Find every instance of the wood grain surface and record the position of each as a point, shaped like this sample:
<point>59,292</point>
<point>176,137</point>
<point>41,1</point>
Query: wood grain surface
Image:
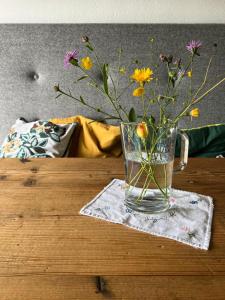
<point>49,251</point>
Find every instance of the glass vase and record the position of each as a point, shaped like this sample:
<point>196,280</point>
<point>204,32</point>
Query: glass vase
<point>149,165</point>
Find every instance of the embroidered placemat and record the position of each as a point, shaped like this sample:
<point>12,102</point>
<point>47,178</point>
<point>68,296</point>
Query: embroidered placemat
<point>188,220</point>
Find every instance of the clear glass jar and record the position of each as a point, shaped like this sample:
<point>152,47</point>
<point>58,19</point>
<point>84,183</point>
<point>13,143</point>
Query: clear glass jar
<point>149,165</point>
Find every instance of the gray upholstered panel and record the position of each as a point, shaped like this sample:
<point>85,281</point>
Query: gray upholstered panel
<point>29,49</point>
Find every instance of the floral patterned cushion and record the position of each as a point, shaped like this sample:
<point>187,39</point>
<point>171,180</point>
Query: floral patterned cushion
<point>36,139</point>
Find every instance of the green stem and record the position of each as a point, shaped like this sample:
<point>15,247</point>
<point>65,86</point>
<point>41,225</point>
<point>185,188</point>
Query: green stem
<point>114,87</point>
<point>210,90</point>
<point>195,101</point>
<point>185,71</point>
<point>88,105</point>
<point>205,78</point>
<point>102,91</point>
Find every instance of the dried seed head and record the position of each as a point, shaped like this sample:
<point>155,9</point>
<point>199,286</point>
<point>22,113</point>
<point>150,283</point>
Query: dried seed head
<point>56,88</point>
<point>163,57</point>
<point>84,39</point>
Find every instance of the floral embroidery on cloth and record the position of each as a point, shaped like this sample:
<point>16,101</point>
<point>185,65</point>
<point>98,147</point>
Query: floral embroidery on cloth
<point>188,220</point>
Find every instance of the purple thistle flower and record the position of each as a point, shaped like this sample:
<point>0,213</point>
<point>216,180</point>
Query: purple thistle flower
<point>69,56</point>
<point>193,46</point>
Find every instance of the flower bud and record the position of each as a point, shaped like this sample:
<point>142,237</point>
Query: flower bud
<point>170,59</point>
<point>138,92</point>
<point>84,39</point>
<point>171,74</point>
<point>163,57</point>
<point>56,88</point>
<point>194,113</point>
<point>122,70</point>
<point>142,130</point>
<point>189,74</point>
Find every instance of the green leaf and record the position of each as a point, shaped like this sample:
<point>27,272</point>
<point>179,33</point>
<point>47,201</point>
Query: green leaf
<point>132,115</point>
<point>83,77</point>
<point>74,62</point>
<point>89,47</point>
<point>82,99</point>
<point>105,78</point>
<point>151,120</point>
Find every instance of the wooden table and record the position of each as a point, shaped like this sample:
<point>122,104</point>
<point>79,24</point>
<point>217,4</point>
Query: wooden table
<point>48,251</point>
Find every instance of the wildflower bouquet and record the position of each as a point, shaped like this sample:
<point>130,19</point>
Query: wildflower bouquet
<point>148,140</point>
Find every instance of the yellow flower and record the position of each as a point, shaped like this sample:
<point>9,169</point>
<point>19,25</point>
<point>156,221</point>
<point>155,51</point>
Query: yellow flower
<point>142,75</point>
<point>189,73</point>
<point>194,113</point>
<point>138,92</point>
<point>142,130</point>
<point>86,63</point>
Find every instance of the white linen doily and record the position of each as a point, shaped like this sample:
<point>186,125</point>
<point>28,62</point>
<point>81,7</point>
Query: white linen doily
<point>188,220</point>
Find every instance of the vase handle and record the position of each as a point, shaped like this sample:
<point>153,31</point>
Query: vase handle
<point>183,152</point>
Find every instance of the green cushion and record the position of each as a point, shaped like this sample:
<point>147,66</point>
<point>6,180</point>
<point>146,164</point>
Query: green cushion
<point>207,141</point>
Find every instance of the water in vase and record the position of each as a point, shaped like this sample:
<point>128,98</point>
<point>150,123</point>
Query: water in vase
<point>148,181</point>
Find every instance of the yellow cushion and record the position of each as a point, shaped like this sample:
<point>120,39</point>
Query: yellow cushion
<point>95,139</point>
